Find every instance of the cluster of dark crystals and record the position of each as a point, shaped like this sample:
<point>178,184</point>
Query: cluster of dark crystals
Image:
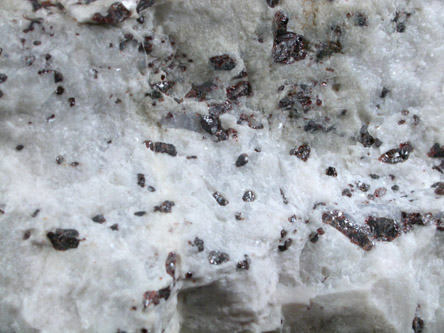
<point>288,47</point>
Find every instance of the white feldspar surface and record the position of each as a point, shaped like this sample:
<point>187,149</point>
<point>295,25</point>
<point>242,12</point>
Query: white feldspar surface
<point>112,100</point>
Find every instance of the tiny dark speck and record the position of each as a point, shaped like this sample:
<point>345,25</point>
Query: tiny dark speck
<point>29,60</point>
<point>242,160</point>
<point>36,212</point>
<point>141,179</point>
<point>141,213</point>
<point>71,101</point>
<point>19,147</point>
<point>347,193</point>
<point>400,27</point>
<point>314,237</point>
<point>286,245</point>
<point>199,243</point>
<point>331,172</point>
<point>164,207</point>
<point>249,196</point>
<point>58,77</point>
<point>3,77</point>
<point>384,92</point>
<point>26,235</point>
<point>292,219</point>
<point>99,219</point>
<point>60,159</point>
<point>361,20</point>
<point>59,90</point>
<point>114,227</point>
<point>272,3</point>
<point>217,257</point>
<point>244,264</point>
<point>221,200</point>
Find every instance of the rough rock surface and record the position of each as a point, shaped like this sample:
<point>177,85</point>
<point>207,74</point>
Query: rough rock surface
<point>123,207</point>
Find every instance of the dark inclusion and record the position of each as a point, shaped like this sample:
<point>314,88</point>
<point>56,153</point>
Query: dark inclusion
<point>240,89</point>
<point>418,325</point>
<point>244,264</point>
<point>397,155</point>
<point>199,243</point>
<point>58,77</point>
<point>343,223</point>
<point>165,148</point>
<point>222,62</point>
<point>141,179</point>
<point>436,151</point>
<point>209,123</point>
<point>64,239</point>
<point>286,245</point>
<point>154,297</point>
<point>303,152</point>
<point>220,199</point>
<point>363,186</point>
<point>99,219</point>
<point>288,47</point>
<point>327,49</point>
<point>439,188</point>
<point>242,160</point>
<point>249,196</point>
<point>366,139</point>
<point>164,207</point>
<point>200,91</point>
<point>117,13</point>
<point>217,257</point>
<point>272,3</point>
<point>331,172</point>
<point>170,264</point>
<point>162,147</point>
<point>383,229</point>
<point>384,92</point>
<point>360,20</point>
<point>144,4</point>
<point>411,219</point>
<point>35,213</point>
<point>59,90</point>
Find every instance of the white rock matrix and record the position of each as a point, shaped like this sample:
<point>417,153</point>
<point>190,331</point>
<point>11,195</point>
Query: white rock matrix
<point>221,166</point>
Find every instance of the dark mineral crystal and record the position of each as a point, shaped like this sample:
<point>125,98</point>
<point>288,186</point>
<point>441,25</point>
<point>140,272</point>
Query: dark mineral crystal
<point>64,239</point>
